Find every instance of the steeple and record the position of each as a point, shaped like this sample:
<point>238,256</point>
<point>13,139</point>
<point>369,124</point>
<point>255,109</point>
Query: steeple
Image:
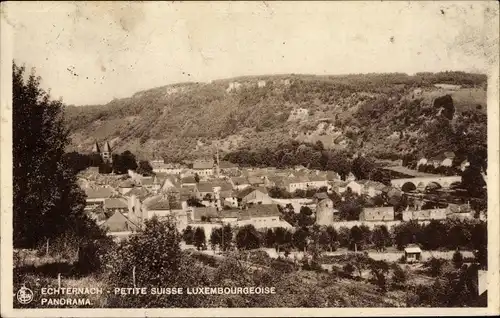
<point>95,148</point>
<point>106,148</point>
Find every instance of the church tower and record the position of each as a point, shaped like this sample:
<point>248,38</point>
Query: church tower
<point>107,154</point>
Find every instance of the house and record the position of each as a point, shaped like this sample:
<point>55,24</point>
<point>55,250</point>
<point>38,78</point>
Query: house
<point>256,196</point>
<point>320,196</point>
<point>273,181</point>
<point>167,182</point>
<point>325,212</point>
<point>261,84</point>
<point>188,181</point>
<point>136,214</point>
<point>424,215</point>
<point>96,197</point>
<point>317,181</point>
<point>438,160</point>
<point>448,160</point>
<point>422,162</point>
<point>464,165</point>
<point>228,168</point>
<point>169,168</point>
<point>294,183</point>
<point>255,181</point>
<point>114,205</point>
<point>337,186</point>
<point>118,222</point>
<point>204,168</point>
<point>185,193</point>
<point>413,254</point>
<point>371,188</point>
<point>126,186</point>
<point>239,183</point>
<point>204,214</point>
<point>461,212</point>
<point>262,216</point>
<point>304,182</point>
<point>150,183</point>
<point>139,192</point>
<point>355,186</point>
<point>377,214</point>
<point>332,176</point>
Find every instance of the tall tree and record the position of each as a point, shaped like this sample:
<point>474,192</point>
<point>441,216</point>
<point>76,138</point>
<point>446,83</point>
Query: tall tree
<point>199,238</point>
<point>248,238</point>
<point>145,168</point>
<point>47,201</point>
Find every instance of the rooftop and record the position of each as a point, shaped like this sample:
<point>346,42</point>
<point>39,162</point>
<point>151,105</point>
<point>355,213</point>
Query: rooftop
<point>99,193</point>
<point>115,203</point>
<point>205,164</point>
<point>413,249</point>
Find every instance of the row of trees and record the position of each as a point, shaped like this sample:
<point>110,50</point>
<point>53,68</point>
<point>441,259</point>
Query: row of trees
<point>435,235</point>
<point>313,156</point>
<point>120,164</point>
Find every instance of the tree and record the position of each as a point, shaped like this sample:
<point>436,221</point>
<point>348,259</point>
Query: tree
<point>270,239</point>
<point>355,238</point>
<point>145,168</point>
<point>362,168</point>
<point>215,238</point>
<point>196,178</point>
<point>227,231</point>
<point>328,238</point>
<point>379,270</point>
<point>300,238</point>
<point>151,258</point>
<point>76,161</point>
<point>306,210</point>
<point>350,209</point>
<point>435,266</point>
<point>199,238</point>
<point>348,269</point>
<point>399,276</point>
<point>473,181</point>
<point>248,238</point>
<point>380,237</point>
<point>195,202</point>
<point>47,201</point>
<point>457,259</point>
<point>124,162</point>
<point>187,235</point>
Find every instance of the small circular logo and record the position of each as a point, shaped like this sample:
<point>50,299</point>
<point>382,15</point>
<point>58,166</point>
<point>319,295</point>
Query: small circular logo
<point>24,295</point>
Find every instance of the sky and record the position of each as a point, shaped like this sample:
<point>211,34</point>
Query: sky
<point>91,52</point>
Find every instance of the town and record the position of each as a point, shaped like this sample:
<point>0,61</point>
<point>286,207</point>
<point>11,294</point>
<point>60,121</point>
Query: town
<point>286,211</point>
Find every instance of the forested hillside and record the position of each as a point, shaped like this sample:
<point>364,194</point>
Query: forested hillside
<point>385,115</point>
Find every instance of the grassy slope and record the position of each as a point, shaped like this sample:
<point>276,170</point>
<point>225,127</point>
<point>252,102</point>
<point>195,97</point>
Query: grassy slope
<point>186,122</point>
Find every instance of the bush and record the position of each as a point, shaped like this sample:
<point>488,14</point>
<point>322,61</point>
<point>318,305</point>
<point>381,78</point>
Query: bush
<point>348,269</point>
<point>435,266</point>
<point>399,276</point>
<point>94,256</point>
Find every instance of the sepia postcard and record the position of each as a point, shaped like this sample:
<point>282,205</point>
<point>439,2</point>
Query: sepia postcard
<point>277,159</point>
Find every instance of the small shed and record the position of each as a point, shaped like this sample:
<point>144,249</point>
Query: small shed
<point>413,254</point>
